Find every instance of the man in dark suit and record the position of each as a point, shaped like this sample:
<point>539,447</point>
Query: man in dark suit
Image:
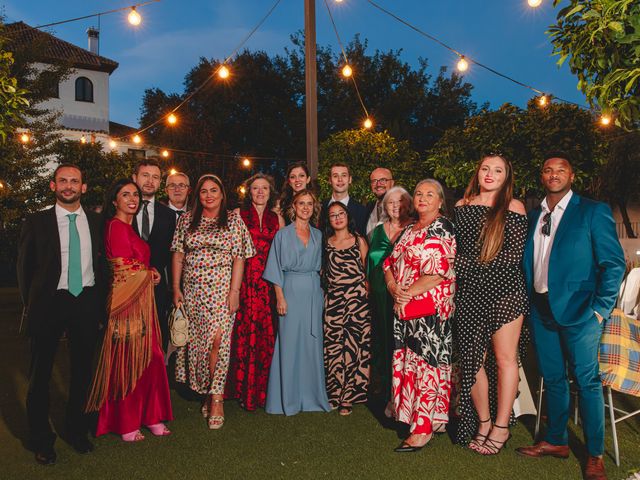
<point>178,189</point>
<point>156,223</point>
<point>340,179</point>
<point>573,265</point>
<point>62,280</point>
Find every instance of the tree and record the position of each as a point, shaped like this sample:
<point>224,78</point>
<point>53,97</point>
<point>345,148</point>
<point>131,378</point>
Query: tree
<point>524,136</point>
<point>13,101</point>
<point>601,38</point>
<point>363,151</point>
<point>619,178</point>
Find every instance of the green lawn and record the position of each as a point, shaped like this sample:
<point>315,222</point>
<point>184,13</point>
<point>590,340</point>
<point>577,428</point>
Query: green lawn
<point>256,445</point>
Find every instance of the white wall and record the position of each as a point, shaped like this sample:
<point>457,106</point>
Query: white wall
<point>82,115</point>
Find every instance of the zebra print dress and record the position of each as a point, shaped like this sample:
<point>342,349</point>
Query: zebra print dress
<point>347,327</point>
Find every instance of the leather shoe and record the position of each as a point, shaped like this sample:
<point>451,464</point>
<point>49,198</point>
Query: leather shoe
<point>46,457</point>
<point>81,445</point>
<point>544,449</point>
<point>594,469</point>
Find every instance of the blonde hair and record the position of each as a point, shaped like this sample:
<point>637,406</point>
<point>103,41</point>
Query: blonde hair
<point>291,212</point>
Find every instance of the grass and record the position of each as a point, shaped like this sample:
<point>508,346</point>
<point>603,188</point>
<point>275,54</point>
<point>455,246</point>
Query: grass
<point>256,445</point>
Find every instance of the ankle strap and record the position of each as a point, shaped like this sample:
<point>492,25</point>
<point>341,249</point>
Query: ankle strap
<point>500,426</point>
<point>485,421</point>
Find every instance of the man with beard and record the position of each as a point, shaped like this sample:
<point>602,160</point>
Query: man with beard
<point>381,181</point>
<point>155,223</point>
<point>62,280</point>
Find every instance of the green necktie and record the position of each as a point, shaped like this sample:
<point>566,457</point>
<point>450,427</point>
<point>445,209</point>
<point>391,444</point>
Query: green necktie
<point>75,262</point>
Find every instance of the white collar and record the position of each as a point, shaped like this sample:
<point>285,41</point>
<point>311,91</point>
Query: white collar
<point>562,204</point>
<point>344,201</point>
<point>176,209</point>
<point>61,212</point>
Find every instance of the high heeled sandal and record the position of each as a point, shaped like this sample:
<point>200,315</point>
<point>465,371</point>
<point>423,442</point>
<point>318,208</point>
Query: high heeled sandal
<point>479,438</point>
<point>345,410</point>
<point>491,446</point>
<point>159,429</point>
<point>215,422</point>
<point>135,436</point>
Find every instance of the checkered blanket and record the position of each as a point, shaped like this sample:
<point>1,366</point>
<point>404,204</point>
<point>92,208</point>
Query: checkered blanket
<point>620,353</point>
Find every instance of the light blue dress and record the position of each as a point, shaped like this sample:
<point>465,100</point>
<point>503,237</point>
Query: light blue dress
<point>296,378</point>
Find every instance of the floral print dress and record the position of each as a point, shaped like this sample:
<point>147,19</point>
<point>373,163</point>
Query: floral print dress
<point>421,364</point>
<point>206,278</point>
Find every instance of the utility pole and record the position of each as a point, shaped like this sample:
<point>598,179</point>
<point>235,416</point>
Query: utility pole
<point>311,85</point>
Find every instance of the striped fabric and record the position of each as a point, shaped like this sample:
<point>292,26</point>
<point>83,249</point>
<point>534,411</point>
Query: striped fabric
<point>620,353</point>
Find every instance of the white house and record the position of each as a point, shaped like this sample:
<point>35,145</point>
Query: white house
<point>83,98</point>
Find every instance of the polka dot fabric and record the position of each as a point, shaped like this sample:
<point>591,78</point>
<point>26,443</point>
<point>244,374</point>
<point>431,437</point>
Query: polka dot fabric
<point>488,297</point>
<point>206,278</point>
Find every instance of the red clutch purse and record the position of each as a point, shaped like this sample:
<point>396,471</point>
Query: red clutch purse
<point>418,308</point>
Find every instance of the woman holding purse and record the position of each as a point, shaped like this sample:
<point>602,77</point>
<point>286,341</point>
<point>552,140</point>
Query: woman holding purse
<point>421,282</point>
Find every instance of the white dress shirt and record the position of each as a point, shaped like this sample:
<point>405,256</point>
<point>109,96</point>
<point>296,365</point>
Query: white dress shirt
<point>174,208</point>
<point>150,209</point>
<point>86,254</point>
<point>542,243</point>
<point>344,201</point>
<point>374,218</point>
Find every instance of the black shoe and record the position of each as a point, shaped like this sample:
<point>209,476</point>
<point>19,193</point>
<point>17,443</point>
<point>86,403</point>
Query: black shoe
<point>406,448</point>
<point>82,445</point>
<point>46,456</point>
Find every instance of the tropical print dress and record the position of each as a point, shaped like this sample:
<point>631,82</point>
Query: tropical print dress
<point>421,377</point>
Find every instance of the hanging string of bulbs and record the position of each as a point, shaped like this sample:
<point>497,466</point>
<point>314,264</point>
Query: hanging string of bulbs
<point>464,61</point>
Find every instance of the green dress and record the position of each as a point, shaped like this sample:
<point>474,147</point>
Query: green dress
<point>381,310</point>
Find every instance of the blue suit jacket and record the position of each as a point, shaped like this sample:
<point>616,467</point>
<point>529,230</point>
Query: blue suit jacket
<point>586,263</point>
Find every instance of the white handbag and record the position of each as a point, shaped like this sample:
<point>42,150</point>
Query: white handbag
<point>179,326</point>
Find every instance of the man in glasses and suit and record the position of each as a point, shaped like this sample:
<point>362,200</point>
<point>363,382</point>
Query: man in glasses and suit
<point>155,223</point>
<point>573,265</point>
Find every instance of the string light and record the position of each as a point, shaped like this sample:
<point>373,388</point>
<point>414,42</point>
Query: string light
<point>173,171</point>
<point>242,190</point>
<point>246,162</point>
<point>134,17</point>
<point>534,3</point>
<point>172,119</point>
<point>368,123</point>
<point>462,65</point>
<point>137,139</point>
<point>1,186</point>
<point>347,71</point>
<point>113,144</point>
<point>223,72</point>
<point>83,139</point>
<point>165,153</point>
<point>543,100</point>
<point>25,138</point>
<point>605,120</point>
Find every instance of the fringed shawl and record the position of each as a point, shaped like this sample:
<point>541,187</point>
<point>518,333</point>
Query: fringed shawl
<point>127,344</point>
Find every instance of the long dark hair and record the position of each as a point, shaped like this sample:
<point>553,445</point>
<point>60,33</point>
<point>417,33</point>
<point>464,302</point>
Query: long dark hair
<point>492,235</point>
<point>328,231</point>
<point>286,195</point>
<point>246,202</point>
<point>196,209</point>
<point>108,208</point>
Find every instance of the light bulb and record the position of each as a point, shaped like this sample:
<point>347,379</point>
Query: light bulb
<point>25,138</point>
<point>113,144</point>
<point>242,190</point>
<point>1,185</point>
<point>246,162</point>
<point>223,72</point>
<point>605,120</point>
<point>134,17</point>
<point>463,65</point>
<point>173,171</point>
<point>347,71</point>
<point>83,139</point>
<point>172,119</point>
<point>368,123</point>
<point>137,139</point>
<point>165,153</point>
<point>534,3</point>
<point>543,100</point>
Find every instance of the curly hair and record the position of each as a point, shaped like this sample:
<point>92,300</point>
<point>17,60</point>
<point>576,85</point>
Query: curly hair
<point>291,212</point>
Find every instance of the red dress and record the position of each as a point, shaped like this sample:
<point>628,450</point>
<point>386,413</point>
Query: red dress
<point>149,402</point>
<point>253,333</point>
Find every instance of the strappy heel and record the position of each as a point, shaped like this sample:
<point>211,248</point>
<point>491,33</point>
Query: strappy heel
<point>215,422</point>
<point>479,438</point>
<point>494,447</point>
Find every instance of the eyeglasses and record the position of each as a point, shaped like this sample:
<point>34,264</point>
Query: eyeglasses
<point>381,181</point>
<point>546,225</point>
<point>177,186</point>
<point>335,216</point>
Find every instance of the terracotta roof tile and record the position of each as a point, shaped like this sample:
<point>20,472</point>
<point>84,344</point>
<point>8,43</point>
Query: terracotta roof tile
<point>19,34</point>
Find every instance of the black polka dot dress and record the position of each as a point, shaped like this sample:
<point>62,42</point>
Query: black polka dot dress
<point>488,296</point>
